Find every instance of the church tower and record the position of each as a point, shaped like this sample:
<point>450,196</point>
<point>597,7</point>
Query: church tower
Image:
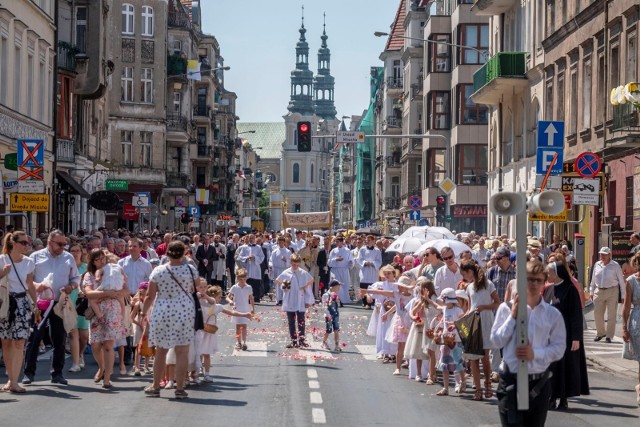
<point>302,79</point>
<point>324,83</point>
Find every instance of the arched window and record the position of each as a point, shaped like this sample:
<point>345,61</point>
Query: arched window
<point>296,173</point>
<point>127,18</point>
<point>271,177</point>
<point>312,172</point>
<point>147,21</point>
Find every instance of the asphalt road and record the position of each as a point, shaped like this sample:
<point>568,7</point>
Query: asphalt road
<point>272,386</point>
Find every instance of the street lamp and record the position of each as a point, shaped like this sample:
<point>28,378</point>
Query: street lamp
<point>247,131</point>
<point>484,53</point>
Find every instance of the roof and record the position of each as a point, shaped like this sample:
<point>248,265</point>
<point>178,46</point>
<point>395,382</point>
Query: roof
<point>268,136</point>
<point>396,40</point>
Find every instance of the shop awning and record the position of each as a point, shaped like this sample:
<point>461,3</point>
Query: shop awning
<point>72,184</point>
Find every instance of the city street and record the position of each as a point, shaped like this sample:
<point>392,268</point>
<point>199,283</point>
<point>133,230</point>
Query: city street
<point>272,386</point>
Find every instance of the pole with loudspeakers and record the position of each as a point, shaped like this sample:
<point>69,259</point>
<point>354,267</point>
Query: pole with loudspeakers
<point>516,204</point>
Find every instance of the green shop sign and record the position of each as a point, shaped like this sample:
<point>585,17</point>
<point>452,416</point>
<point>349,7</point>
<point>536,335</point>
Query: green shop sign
<point>117,185</point>
<point>11,161</point>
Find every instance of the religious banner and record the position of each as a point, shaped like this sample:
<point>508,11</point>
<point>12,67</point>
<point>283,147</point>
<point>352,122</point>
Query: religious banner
<point>308,220</point>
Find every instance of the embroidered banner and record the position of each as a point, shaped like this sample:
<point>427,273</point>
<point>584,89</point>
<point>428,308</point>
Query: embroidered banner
<point>308,219</point>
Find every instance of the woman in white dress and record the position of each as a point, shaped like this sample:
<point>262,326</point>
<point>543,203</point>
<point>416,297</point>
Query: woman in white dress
<point>484,300</point>
<point>172,323</point>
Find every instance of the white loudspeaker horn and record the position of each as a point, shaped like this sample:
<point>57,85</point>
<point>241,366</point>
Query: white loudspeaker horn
<point>507,203</point>
<point>549,202</point>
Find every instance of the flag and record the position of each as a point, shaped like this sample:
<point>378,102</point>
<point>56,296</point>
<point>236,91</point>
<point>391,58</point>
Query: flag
<point>202,195</point>
<point>240,173</point>
<point>193,70</point>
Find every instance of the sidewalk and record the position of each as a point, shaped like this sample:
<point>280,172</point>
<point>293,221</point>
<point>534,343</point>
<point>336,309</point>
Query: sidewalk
<point>608,356</point>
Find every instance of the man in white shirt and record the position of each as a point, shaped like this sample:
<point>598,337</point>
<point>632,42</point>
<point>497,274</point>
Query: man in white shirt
<point>606,280</point>
<point>449,275</point>
<point>298,243</point>
<point>252,256</point>
<point>370,260</point>
<point>340,261</point>
<point>547,343</point>
<point>135,266</point>
<point>279,261</point>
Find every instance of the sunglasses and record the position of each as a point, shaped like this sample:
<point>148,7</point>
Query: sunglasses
<point>447,258</point>
<point>498,258</point>
<point>24,242</point>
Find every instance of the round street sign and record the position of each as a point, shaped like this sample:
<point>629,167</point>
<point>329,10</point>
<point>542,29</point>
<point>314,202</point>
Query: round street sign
<point>588,164</point>
<point>415,202</point>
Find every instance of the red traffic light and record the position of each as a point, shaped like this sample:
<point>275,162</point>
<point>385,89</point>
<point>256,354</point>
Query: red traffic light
<point>440,200</point>
<point>304,127</point>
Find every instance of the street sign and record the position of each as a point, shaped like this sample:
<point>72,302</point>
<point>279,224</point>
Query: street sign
<point>29,202</point>
<point>568,180</point>
<point>129,212</point>
<point>30,153</point>
<point>140,201</point>
<point>586,191</point>
<point>415,202</point>
<point>179,210</point>
<point>545,156</point>
<point>116,185</point>
<point>195,211</point>
<point>347,137</point>
<point>11,161</point>
<point>447,186</point>
<point>539,216</point>
<point>588,164</point>
<point>550,134</point>
<point>31,186</point>
<point>414,215</point>
<point>553,183</point>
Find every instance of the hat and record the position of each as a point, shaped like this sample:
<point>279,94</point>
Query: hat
<point>503,252</point>
<point>462,294</point>
<point>449,296</point>
<point>534,244</point>
<point>605,250</point>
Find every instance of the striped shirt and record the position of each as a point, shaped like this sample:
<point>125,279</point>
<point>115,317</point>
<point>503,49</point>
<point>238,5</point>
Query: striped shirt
<point>501,279</point>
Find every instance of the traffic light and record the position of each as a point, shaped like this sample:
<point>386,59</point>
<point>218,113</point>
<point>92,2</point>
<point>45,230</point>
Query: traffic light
<point>304,137</point>
<point>441,208</point>
<point>185,218</point>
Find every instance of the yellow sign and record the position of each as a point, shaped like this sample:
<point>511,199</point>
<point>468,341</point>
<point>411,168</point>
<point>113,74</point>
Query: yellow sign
<point>29,202</point>
<point>539,216</point>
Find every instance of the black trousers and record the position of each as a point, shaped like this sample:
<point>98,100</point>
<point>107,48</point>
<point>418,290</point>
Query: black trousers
<point>231,280</point>
<point>364,299</point>
<point>256,285</point>
<point>296,319</point>
<point>536,416</point>
<point>58,337</point>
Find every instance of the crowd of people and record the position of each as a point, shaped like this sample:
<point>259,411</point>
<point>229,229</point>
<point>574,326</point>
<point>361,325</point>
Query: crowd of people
<point>147,291</point>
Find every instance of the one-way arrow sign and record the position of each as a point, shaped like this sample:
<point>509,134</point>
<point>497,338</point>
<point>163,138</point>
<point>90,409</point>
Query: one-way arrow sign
<point>550,134</point>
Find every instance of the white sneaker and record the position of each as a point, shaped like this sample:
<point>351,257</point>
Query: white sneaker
<point>75,368</point>
<point>169,385</point>
<point>418,378</point>
<point>207,379</point>
<point>81,364</point>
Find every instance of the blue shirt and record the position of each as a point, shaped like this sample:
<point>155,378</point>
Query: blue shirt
<point>137,271</point>
<point>62,266</point>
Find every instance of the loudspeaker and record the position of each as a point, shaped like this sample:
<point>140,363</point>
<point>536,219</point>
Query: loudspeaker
<point>549,202</point>
<point>507,203</point>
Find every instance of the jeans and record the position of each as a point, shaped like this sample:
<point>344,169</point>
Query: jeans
<point>296,317</point>
<point>58,336</point>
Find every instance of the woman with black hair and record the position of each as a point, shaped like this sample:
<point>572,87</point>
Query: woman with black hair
<point>569,373</point>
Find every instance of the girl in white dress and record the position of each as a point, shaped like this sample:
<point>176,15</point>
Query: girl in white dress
<point>423,310</point>
<point>207,343</point>
<point>241,295</point>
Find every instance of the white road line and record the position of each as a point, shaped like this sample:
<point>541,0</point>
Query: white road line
<point>315,397</point>
<point>314,384</point>
<point>311,360</point>
<point>317,414</point>
<point>604,353</point>
<point>255,349</point>
<point>312,374</point>
<point>367,351</point>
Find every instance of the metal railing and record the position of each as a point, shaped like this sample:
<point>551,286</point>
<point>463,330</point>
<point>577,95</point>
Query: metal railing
<point>625,117</point>
<point>204,150</point>
<point>416,90</point>
<point>177,180</point>
<point>392,202</point>
<point>394,122</point>
<point>67,56</point>
<point>177,122</point>
<point>65,151</point>
<point>394,82</point>
<point>179,19</point>
<point>503,64</point>
<point>202,111</point>
<point>393,161</point>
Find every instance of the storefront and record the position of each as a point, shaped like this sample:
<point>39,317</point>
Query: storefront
<point>469,217</point>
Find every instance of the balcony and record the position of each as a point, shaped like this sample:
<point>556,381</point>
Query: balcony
<point>394,83</point>
<point>64,151</point>
<point>625,117</point>
<point>392,203</point>
<point>503,74</point>
<point>492,7</point>
<point>177,180</point>
<point>67,56</point>
<point>393,161</point>
<point>179,20</point>
<point>416,91</point>
<point>204,150</point>
<point>176,122</point>
<point>393,122</point>
<point>176,67</point>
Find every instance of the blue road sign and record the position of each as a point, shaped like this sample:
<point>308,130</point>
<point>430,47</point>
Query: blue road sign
<point>414,216</point>
<point>550,134</point>
<point>195,211</point>
<point>544,158</point>
<point>31,153</point>
<point>423,222</point>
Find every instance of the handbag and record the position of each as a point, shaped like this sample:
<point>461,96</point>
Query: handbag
<point>143,347</point>
<point>210,329</point>
<point>198,323</point>
<point>470,330</point>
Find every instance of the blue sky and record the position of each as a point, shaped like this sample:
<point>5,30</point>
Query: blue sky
<point>258,38</point>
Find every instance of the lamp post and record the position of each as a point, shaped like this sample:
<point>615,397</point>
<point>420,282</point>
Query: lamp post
<point>484,53</point>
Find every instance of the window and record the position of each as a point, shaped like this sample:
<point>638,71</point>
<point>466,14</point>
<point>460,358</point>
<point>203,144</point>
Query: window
<point>81,28</point>
<point>147,21</point>
<point>271,177</point>
<point>573,102</point>
<point>475,36</point>
<point>127,84</point>
<point>296,173</point>
<point>472,164</point>
<point>202,135</point>
<point>30,82</point>
<point>43,91</point>
<point>600,106</point>
<point>146,85</point>
<point>548,97</point>
<point>127,19</point>
<point>436,166</point>
<point>126,137</point>
<point>551,17</point>
<point>439,110</point>
<point>145,148</point>
<point>470,113</point>
<point>395,187</point>
<point>560,102</point>
<point>628,209</point>
<point>201,176</point>
<point>312,172</point>
<point>65,108</point>
<point>17,85</point>
<point>4,60</point>
<point>177,47</point>
<point>177,102</point>
<point>632,58</point>
<point>419,175</point>
<point>586,94</point>
<point>439,54</point>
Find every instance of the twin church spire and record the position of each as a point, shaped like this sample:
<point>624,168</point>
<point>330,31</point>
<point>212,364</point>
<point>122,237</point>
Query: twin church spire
<point>312,95</point>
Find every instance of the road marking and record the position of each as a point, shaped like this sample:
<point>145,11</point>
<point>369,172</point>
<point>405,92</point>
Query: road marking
<point>314,384</point>
<point>312,373</point>
<point>315,397</point>
<point>317,414</point>
<point>603,353</point>
<point>255,349</point>
<point>368,351</point>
